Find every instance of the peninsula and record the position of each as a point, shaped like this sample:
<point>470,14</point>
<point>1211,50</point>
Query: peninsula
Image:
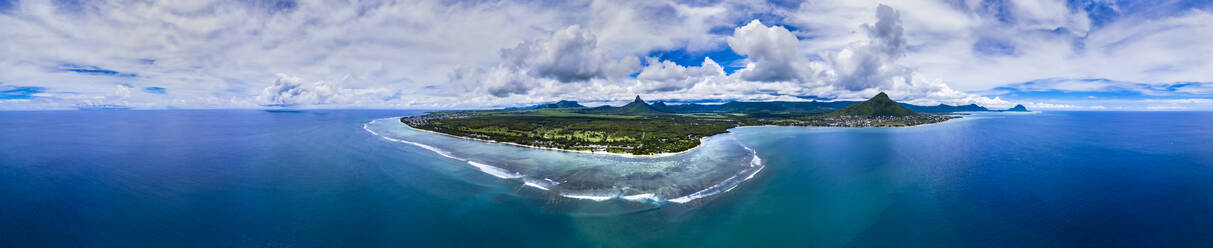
<point>640,128</point>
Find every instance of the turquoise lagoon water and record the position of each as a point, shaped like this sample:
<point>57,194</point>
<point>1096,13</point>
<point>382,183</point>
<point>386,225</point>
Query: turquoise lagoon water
<point>323,179</point>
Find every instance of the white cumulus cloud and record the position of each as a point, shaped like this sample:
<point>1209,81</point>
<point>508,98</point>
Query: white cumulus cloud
<point>288,90</point>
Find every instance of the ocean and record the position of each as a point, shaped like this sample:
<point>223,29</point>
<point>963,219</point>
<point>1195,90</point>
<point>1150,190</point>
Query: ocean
<point>356,178</point>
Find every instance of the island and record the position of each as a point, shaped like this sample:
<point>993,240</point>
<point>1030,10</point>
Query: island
<point>1017,108</point>
<point>640,128</point>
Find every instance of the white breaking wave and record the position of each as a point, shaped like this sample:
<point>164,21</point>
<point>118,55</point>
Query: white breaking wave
<point>590,196</point>
<point>545,184</point>
<point>726,185</point>
<point>367,127</point>
<point>642,197</point>
<point>497,172</point>
<point>427,147</point>
<point>535,185</point>
<point>715,189</point>
<point>756,161</point>
<point>752,174</point>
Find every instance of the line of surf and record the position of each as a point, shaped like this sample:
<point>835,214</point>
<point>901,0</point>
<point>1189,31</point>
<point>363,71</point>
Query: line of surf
<point>727,184</point>
<point>427,147</point>
<point>495,171</point>
<point>642,197</point>
<point>487,169</point>
<point>544,184</point>
<point>547,184</point>
<point>592,197</point>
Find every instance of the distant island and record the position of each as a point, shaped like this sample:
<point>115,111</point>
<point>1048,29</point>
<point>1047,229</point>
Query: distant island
<point>640,128</point>
<point>1017,108</point>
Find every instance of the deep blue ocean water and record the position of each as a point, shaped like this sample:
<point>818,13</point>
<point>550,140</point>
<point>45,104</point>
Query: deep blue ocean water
<point>223,178</point>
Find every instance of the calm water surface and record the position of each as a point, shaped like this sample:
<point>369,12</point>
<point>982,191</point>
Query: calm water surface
<point>183,178</point>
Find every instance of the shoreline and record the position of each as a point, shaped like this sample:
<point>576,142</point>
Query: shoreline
<point>667,154</point>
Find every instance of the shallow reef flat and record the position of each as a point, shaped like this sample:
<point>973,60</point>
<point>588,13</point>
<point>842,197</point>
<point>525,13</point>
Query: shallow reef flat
<point>721,163</point>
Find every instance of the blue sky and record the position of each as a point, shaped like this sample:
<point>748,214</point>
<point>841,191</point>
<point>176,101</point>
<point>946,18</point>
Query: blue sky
<point>1059,55</point>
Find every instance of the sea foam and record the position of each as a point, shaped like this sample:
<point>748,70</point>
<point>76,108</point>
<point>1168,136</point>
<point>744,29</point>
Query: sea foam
<point>723,186</point>
<point>497,172</point>
<point>592,197</point>
<point>642,197</point>
<point>728,184</point>
<point>545,184</point>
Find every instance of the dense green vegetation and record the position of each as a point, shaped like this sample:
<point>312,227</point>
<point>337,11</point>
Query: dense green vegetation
<point>647,135</point>
<point>641,128</point>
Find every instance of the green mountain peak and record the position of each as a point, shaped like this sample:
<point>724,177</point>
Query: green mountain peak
<point>879,105</point>
<point>881,96</point>
<point>637,106</point>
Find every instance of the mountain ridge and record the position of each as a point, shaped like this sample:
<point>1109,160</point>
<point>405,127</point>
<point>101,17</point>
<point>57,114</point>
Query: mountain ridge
<point>560,104</point>
<point>740,107</point>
